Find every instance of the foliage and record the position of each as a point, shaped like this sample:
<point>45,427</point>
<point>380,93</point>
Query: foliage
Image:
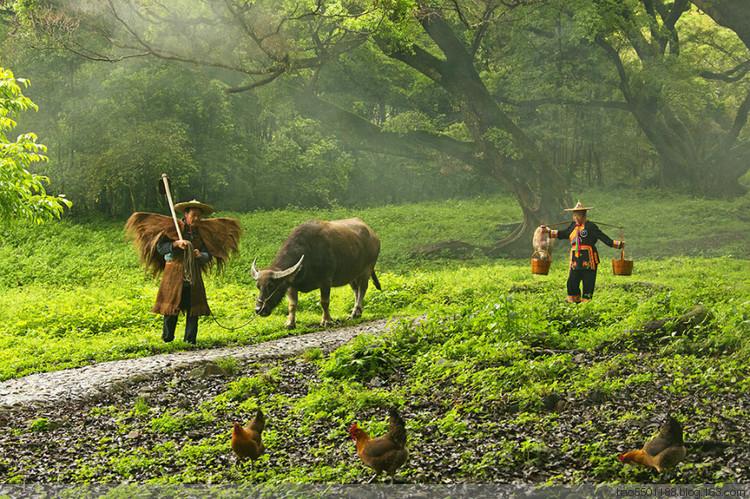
<point>172,422</point>
<point>23,195</point>
<point>496,377</point>
<point>74,293</point>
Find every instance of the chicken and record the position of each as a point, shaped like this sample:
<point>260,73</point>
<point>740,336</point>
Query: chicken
<point>386,453</point>
<point>542,244</point>
<point>663,451</point>
<point>247,442</point>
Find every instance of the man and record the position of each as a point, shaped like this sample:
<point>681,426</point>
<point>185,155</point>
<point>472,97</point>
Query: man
<point>179,290</point>
<point>584,257</point>
<point>204,242</point>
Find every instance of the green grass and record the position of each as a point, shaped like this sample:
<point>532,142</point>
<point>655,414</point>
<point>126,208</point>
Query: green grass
<point>500,366</point>
<point>73,294</point>
<point>479,371</point>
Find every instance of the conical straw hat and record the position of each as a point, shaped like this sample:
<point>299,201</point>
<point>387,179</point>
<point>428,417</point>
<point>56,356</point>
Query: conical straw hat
<point>205,208</point>
<point>579,207</point>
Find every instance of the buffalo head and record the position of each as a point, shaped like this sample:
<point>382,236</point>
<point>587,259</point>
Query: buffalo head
<point>272,285</point>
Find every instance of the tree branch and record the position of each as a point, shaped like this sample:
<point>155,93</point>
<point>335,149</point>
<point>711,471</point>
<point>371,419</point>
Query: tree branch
<point>461,16</point>
<point>249,32</point>
<point>614,56</point>
<point>731,75</point>
<point>163,54</point>
<point>740,120</point>
<point>421,60</point>
<point>443,35</point>
<point>678,8</point>
<point>103,58</point>
<point>362,132</point>
<point>732,14</point>
<point>255,84</point>
<point>483,25</point>
<point>534,103</point>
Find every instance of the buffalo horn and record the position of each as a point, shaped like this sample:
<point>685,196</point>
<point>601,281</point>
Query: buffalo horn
<point>253,271</point>
<point>279,274</point>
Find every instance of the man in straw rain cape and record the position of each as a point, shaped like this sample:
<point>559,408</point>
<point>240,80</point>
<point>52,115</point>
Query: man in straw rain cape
<point>584,258</point>
<point>204,242</point>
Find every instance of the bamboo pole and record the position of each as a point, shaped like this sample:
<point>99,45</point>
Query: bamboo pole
<point>165,180</point>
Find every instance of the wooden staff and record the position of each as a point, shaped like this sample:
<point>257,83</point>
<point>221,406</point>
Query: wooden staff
<point>165,183</point>
<point>188,258</point>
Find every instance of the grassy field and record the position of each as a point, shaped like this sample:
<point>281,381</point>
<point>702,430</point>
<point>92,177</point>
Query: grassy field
<point>73,294</point>
<point>501,381</point>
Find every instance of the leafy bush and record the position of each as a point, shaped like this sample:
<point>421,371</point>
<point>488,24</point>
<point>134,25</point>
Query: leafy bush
<point>361,359</point>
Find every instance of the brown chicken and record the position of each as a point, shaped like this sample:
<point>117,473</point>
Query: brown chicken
<point>247,442</point>
<point>386,453</point>
<point>663,451</point>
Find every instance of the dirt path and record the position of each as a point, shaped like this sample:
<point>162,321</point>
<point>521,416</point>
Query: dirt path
<point>51,388</point>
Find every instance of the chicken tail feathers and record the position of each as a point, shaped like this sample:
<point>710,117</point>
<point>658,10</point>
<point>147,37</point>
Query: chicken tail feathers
<point>396,427</point>
<point>259,421</point>
<point>672,431</point>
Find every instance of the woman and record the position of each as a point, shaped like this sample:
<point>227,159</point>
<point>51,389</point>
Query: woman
<point>584,258</point>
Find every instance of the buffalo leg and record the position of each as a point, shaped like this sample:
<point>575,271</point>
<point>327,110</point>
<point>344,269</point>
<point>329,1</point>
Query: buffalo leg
<point>291,320</point>
<point>325,301</point>
<point>360,288</point>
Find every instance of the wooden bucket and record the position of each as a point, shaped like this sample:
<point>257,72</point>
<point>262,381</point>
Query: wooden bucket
<point>539,266</point>
<point>622,266</point>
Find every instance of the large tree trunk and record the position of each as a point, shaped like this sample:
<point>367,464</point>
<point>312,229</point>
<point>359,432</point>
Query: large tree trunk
<point>541,199</point>
<point>537,185</point>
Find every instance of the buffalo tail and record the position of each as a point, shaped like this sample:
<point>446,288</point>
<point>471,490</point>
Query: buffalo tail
<point>375,281</point>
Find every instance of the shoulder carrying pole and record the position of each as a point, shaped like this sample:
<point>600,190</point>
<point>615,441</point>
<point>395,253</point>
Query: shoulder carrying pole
<point>165,181</point>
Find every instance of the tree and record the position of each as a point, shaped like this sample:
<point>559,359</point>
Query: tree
<point>23,196</point>
<point>699,144</point>
<point>251,44</point>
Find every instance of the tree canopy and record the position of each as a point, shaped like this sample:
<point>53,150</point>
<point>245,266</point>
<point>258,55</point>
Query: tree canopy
<point>23,195</point>
<point>325,101</point>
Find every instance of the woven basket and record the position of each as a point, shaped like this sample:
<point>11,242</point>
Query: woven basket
<point>539,266</point>
<point>622,266</point>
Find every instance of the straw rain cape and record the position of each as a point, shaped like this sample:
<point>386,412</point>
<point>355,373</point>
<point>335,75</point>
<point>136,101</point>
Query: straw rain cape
<point>221,237</point>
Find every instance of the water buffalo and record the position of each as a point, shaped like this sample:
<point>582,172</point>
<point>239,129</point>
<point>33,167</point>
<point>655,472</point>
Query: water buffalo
<point>319,255</point>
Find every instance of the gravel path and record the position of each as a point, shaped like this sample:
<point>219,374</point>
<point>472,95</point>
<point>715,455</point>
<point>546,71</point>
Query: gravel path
<point>91,381</point>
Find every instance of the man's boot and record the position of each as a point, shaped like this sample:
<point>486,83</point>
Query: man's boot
<point>191,328</point>
<point>167,330</point>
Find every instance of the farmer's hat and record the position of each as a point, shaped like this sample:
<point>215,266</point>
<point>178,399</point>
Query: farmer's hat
<point>579,207</point>
<point>205,208</point>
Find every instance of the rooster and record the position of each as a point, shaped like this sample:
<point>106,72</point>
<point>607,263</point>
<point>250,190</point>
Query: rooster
<point>663,451</point>
<point>247,442</point>
<point>386,453</point>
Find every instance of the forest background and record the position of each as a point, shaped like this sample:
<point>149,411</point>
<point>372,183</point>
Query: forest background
<point>264,105</point>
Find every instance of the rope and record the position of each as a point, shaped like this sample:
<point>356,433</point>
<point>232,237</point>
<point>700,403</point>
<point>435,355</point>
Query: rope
<point>189,265</point>
<point>597,223</point>
<point>252,318</point>
<point>609,225</point>
<point>269,296</point>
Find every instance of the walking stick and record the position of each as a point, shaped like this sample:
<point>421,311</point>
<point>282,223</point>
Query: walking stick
<point>190,269</point>
<point>165,187</point>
